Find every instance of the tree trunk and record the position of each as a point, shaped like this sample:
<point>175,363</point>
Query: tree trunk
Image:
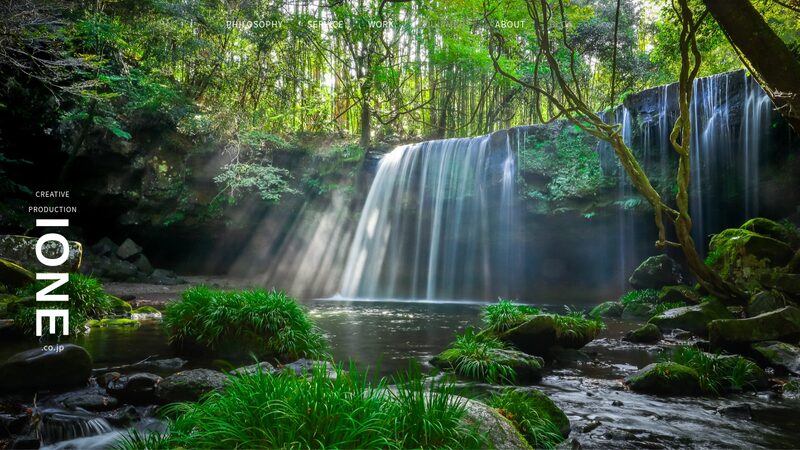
<point>763,52</point>
<point>365,124</point>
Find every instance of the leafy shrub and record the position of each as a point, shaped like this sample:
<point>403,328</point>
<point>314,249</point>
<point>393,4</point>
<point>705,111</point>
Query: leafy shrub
<point>530,416</point>
<point>318,411</point>
<point>87,300</point>
<point>505,315</point>
<point>240,179</point>
<point>717,373</point>
<point>265,322</point>
<point>475,355</point>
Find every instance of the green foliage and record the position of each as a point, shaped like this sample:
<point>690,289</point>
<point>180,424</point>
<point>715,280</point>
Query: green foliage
<point>87,300</point>
<point>648,296</point>
<point>666,306</point>
<point>240,179</point>
<point>577,324</point>
<point>571,166</point>
<point>474,355</point>
<point>505,315</point>
<point>315,411</point>
<point>717,373</point>
<point>264,322</point>
<point>529,417</point>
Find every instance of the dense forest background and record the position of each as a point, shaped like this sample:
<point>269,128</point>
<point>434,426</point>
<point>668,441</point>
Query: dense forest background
<point>168,92</point>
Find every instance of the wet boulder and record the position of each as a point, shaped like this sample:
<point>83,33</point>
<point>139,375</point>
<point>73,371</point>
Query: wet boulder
<point>788,283</point>
<point>15,276</point>
<point>22,250</point>
<point>665,378</point>
<point>541,334</point>
<point>122,417</point>
<point>779,325</point>
<point>646,334</point>
<point>765,301</point>
<point>91,399</point>
<point>143,264</point>
<point>104,247</point>
<point>694,318</point>
<point>40,369</point>
<point>780,355</point>
<point>189,385</point>
<point>135,389</point>
<point>609,309</point>
<point>656,272</point>
<point>253,369</point>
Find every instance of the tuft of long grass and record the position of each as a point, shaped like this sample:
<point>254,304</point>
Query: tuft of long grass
<point>265,321</point>
<point>87,300</point>
<point>639,296</point>
<point>717,373</point>
<point>317,411</point>
<point>534,422</point>
<point>577,324</point>
<point>505,315</point>
<point>475,356</point>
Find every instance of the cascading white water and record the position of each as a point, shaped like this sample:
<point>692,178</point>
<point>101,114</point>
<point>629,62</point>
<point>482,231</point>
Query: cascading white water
<point>438,223</point>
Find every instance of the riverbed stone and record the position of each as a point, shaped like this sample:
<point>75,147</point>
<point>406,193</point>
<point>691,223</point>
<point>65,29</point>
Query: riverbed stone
<point>646,334</point>
<point>14,276</point>
<point>128,249</point>
<point>765,301</point>
<point>665,378</point>
<point>500,432</point>
<point>253,369</point>
<point>104,247</point>
<point>90,399</point>
<point>122,417</point>
<point>135,389</point>
<point>610,309</point>
<point>143,264</point>
<point>119,270</point>
<point>40,369</point>
<point>780,355</point>
<point>22,250</point>
<point>692,318</point>
<point>779,325</point>
<point>189,385</point>
<point>656,272</point>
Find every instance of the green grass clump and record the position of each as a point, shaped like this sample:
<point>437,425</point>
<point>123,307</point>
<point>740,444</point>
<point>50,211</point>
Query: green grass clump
<point>318,411</point>
<point>531,416</point>
<point>260,321</point>
<point>505,315</point>
<point>87,300</point>
<point>648,296</point>
<point>475,355</point>
<point>717,373</point>
<point>577,324</point>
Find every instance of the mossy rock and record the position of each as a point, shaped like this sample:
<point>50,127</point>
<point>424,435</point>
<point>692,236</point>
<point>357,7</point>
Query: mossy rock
<point>119,307</point>
<point>609,309</point>
<point>542,403</point>
<point>638,311</point>
<point>765,301</point>
<point>656,272</point>
<point>15,276</point>
<point>112,323</point>
<point>665,378</point>
<point>779,325</point>
<point>694,319</point>
<point>746,258</point>
<point>541,334</point>
<point>646,334</point>
<point>15,306</point>
<point>770,229</point>
<point>22,250</point>
<point>145,310</point>
<point>788,283</point>
<point>678,293</point>
<point>780,355</point>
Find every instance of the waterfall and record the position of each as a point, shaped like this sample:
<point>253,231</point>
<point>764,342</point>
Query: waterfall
<point>438,223</point>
